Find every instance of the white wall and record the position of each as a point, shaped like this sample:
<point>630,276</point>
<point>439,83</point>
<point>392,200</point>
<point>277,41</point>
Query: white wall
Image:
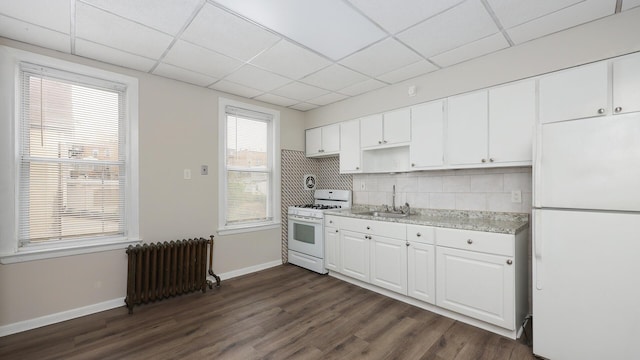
<point>605,38</point>
<point>178,130</point>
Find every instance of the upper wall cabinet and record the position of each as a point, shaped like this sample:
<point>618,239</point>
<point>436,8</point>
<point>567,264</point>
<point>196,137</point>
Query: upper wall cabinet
<point>575,93</point>
<point>427,135</point>
<point>350,147</point>
<point>386,129</point>
<point>467,129</point>
<point>492,127</point>
<point>626,84</point>
<point>323,141</point>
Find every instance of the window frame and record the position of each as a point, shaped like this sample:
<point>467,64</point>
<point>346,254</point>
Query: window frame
<point>274,160</point>
<point>10,142</point>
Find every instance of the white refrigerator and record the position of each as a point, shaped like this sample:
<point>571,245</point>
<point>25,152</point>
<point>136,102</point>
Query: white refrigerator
<point>586,239</point>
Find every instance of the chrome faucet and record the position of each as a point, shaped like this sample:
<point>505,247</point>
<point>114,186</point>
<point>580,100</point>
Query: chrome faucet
<point>393,199</point>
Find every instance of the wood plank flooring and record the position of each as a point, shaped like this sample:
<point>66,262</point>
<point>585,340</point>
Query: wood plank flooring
<point>280,313</point>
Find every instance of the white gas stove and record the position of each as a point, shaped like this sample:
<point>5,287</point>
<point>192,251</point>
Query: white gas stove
<point>306,228</point>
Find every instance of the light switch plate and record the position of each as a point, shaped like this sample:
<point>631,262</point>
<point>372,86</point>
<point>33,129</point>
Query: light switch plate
<point>204,170</point>
<point>516,196</point>
<point>187,174</point>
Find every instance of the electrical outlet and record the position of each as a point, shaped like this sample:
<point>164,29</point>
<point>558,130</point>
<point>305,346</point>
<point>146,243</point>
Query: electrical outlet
<point>187,174</point>
<point>204,170</point>
<point>516,196</point>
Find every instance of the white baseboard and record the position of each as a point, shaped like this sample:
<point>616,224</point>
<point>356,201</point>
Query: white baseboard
<point>107,305</point>
<point>249,270</point>
<point>60,317</point>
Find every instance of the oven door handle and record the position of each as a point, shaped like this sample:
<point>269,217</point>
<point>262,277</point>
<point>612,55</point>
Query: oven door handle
<point>307,220</point>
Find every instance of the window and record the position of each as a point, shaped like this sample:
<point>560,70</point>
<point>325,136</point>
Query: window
<point>76,159</point>
<point>250,188</point>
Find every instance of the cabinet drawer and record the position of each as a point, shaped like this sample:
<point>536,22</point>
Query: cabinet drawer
<point>491,243</point>
<point>421,234</point>
<point>380,228</point>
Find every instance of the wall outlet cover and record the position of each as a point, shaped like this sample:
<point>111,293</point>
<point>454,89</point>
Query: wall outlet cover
<point>516,196</point>
<point>187,174</point>
<point>204,170</point>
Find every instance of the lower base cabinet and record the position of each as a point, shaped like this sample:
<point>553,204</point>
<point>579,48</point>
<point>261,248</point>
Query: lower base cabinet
<point>332,248</point>
<point>421,260</point>
<point>389,263</point>
<point>354,251</point>
<point>477,285</point>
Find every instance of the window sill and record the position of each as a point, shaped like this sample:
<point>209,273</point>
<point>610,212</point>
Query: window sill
<point>230,230</point>
<point>35,253</point>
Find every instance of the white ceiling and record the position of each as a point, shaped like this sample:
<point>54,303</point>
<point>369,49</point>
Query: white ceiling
<point>296,53</point>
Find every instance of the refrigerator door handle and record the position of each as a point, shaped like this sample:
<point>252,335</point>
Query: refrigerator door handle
<point>538,249</point>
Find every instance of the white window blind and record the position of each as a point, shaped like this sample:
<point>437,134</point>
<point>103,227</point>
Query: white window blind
<point>249,176</point>
<point>72,157</point>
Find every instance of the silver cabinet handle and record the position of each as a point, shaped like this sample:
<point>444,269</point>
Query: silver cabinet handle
<point>413,165</point>
<point>379,141</point>
<point>618,109</point>
<point>509,262</point>
<point>469,241</point>
<point>601,111</point>
<point>484,160</point>
<point>384,141</point>
<point>336,230</point>
<point>491,160</point>
<point>357,167</point>
<point>407,243</point>
<point>368,227</point>
<point>418,234</point>
<point>330,221</point>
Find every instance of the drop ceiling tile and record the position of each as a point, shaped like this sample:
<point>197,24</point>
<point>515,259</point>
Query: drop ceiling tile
<point>199,59</point>
<point>168,16</point>
<point>334,77</point>
<point>103,28</point>
<point>236,89</point>
<point>330,27</point>
<point>113,56</point>
<point>560,20</point>
<point>256,78</point>
<point>515,12</point>
<point>629,4</point>
<point>51,14</point>
<point>176,73</point>
<point>394,17</point>
<point>299,91</point>
<point>275,99</point>
<point>290,60</point>
<point>381,58</point>
<point>327,99</point>
<point>33,34</point>
<point>362,87</point>
<point>472,50</point>
<point>406,72</point>
<point>303,106</point>
<point>462,24</point>
<point>227,34</point>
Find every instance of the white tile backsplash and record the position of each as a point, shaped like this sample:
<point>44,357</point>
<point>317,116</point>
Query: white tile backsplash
<point>467,189</point>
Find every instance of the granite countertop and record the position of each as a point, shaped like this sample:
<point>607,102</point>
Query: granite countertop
<point>496,222</point>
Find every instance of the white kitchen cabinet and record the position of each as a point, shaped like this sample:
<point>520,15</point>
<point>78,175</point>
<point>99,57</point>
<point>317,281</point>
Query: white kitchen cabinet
<point>354,254</point>
<point>350,146</point>
<point>427,135</point>
<point>467,130</point>
<point>421,263</point>
<point>512,116</point>
<point>626,84</point>
<point>575,93</point>
<point>323,141</point>
<point>332,248</point>
<point>386,129</point>
<point>389,263</point>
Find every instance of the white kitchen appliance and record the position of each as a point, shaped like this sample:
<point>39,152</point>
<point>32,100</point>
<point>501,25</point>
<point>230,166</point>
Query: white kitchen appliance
<point>306,228</point>
<point>586,239</point>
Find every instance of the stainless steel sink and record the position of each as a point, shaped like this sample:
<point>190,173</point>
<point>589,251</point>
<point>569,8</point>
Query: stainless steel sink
<point>383,214</point>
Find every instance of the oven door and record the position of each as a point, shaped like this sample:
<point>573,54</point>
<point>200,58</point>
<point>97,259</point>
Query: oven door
<point>305,236</point>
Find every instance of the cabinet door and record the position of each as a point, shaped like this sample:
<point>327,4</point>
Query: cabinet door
<point>371,131</point>
<point>354,255</point>
<point>467,129</point>
<point>427,135</point>
<point>331,139</point>
<point>350,146</point>
<point>575,93</point>
<point>332,249</point>
<point>397,126</point>
<point>389,263</point>
<point>512,115</point>
<point>313,141</point>
<point>626,84</point>
<point>478,285</point>
<point>421,266</point>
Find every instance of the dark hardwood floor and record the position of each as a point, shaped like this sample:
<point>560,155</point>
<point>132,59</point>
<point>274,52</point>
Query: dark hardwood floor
<point>281,313</point>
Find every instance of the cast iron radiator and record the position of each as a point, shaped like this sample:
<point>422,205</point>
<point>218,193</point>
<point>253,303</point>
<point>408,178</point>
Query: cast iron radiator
<point>161,270</point>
